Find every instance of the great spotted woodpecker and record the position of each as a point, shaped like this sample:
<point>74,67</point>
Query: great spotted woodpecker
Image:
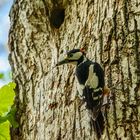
<point>90,76</point>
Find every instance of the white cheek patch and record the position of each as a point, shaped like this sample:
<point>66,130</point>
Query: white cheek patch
<point>92,80</point>
<point>76,56</point>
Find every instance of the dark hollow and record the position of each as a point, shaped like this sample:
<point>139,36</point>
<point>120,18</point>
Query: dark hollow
<point>57,17</point>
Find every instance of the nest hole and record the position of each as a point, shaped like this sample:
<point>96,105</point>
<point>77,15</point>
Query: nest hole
<point>57,17</point>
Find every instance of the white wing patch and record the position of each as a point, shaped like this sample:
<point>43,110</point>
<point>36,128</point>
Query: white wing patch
<point>92,80</point>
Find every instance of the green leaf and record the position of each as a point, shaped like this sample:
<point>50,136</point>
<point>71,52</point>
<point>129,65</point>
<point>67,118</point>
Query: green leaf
<point>4,131</point>
<point>1,75</point>
<point>3,119</point>
<point>6,97</point>
<point>11,117</point>
<point>6,100</point>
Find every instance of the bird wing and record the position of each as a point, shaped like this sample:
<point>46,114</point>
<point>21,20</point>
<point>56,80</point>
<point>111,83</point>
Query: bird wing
<point>93,101</point>
<point>93,89</point>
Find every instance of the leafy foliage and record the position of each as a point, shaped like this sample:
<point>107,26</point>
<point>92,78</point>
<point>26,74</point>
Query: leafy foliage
<point>4,131</point>
<point>6,97</point>
<point>1,75</point>
<point>7,113</point>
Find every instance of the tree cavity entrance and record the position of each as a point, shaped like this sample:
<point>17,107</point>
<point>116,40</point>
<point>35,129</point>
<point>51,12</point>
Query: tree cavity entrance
<point>57,17</point>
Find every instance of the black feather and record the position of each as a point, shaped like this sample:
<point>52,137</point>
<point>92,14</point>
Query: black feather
<point>99,125</point>
<point>82,72</point>
<point>93,99</point>
<point>73,51</point>
<point>88,93</point>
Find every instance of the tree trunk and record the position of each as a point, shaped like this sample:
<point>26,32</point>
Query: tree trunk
<point>48,107</point>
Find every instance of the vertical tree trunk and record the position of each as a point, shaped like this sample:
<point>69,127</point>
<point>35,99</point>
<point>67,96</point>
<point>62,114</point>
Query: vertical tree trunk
<point>48,107</point>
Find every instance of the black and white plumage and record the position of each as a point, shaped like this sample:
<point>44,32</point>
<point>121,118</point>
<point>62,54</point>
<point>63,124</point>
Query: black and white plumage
<point>90,77</point>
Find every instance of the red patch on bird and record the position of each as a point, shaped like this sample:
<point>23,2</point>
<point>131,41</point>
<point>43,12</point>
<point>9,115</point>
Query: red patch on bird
<point>83,50</point>
<point>106,91</point>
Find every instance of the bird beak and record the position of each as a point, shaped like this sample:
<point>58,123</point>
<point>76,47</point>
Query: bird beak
<point>63,61</point>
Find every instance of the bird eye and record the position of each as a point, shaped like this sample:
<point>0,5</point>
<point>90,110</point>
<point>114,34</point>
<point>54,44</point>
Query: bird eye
<point>70,55</point>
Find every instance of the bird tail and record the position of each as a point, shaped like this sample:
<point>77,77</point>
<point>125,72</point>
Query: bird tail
<point>99,125</point>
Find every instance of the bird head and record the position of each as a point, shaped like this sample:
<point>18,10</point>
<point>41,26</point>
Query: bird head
<point>75,56</point>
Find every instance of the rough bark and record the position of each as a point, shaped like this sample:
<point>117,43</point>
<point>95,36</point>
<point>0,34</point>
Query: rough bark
<point>46,97</point>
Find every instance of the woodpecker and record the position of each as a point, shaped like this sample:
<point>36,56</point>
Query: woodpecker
<point>90,77</point>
